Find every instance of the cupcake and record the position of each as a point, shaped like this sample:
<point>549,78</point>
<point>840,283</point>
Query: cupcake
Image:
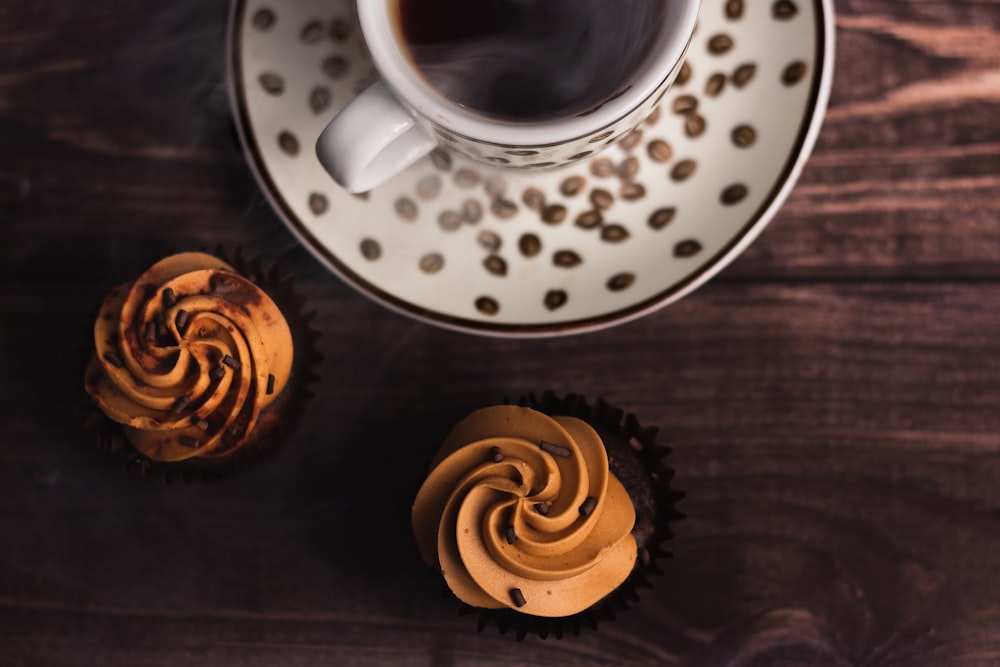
<point>548,515</point>
<point>196,369</point>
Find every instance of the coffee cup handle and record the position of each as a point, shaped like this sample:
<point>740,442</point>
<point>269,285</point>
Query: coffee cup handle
<point>372,139</point>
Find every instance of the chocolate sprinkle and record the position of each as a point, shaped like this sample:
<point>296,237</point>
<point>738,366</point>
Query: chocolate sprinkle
<point>496,455</point>
<point>200,423</point>
<point>510,534</point>
<point>587,508</point>
<point>217,373</point>
<point>517,597</point>
<point>542,508</point>
<point>150,335</point>
<point>555,450</point>
<point>188,441</point>
<point>232,362</point>
<point>114,359</point>
<point>181,403</point>
<point>270,384</point>
<point>169,298</point>
<point>181,321</point>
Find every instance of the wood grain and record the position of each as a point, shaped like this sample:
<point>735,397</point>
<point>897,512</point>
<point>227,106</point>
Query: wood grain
<point>903,182</point>
<point>839,457</point>
<point>832,398</point>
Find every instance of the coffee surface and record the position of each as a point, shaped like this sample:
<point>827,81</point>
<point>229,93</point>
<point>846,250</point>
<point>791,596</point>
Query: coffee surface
<point>529,60</point>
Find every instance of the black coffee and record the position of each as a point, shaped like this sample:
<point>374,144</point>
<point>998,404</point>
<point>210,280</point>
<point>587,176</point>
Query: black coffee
<point>528,60</point>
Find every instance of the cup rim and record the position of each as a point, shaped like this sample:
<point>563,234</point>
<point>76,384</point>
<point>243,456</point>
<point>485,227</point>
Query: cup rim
<point>381,37</point>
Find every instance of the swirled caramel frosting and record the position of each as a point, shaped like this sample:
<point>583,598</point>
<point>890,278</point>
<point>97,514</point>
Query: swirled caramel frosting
<point>520,510</point>
<point>187,357</point>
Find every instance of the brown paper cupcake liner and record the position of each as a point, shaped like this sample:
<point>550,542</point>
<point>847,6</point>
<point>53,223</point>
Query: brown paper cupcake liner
<point>274,425</point>
<point>615,426</point>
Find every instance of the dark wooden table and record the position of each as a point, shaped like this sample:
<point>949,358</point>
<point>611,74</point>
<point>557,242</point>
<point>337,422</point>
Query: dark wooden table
<point>833,397</point>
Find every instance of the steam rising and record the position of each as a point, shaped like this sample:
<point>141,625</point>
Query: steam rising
<point>538,59</point>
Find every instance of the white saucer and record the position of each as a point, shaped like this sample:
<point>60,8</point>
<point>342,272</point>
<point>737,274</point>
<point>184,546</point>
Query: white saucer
<point>495,252</point>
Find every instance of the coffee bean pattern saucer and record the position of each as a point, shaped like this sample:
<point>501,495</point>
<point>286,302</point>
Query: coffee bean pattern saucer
<point>502,252</point>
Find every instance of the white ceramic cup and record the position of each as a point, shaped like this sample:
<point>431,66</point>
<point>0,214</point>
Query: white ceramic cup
<point>401,117</point>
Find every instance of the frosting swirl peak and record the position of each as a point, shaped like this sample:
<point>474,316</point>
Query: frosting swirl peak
<point>520,510</point>
<point>187,357</point>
